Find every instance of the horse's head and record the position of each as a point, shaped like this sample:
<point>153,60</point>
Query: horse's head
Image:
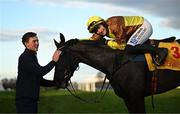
<point>67,63</point>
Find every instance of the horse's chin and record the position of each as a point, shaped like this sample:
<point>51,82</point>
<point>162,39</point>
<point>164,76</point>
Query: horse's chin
<point>62,84</point>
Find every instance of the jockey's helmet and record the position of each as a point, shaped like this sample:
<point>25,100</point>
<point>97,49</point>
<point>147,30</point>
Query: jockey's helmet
<point>93,22</point>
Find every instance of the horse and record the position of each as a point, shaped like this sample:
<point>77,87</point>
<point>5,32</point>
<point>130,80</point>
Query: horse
<point>130,81</point>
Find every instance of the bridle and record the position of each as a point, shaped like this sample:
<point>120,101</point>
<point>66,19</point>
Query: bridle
<point>67,77</point>
<point>68,71</point>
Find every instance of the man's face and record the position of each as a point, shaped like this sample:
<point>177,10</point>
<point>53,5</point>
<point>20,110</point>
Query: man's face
<point>32,43</point>
<point>101,30</point>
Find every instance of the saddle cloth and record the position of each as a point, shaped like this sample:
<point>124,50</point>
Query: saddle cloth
<point>172,60</point>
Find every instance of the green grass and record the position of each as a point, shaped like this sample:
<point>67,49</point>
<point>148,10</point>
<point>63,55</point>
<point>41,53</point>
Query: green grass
<point>60,101</point>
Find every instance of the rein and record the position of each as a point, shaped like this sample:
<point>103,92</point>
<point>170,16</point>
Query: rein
<point>61,48</point>
<point>98,98</point>
<point>74,93</point>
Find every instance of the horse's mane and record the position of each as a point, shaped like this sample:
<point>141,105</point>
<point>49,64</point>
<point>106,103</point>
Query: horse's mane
<point>96,43</point>
<point>92,42</point>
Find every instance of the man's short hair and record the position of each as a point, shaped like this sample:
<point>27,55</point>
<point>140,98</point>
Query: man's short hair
<point>27,35</point>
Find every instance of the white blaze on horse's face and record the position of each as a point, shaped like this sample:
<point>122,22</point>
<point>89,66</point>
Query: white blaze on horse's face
<point>32,43</point>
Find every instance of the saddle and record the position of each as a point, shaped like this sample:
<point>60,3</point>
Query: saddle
<point>172,60</point>
<point>162,52</point>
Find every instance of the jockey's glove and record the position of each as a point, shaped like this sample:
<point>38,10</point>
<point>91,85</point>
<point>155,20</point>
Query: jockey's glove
<point>103,41</point>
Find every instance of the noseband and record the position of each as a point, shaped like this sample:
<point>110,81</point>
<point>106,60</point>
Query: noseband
<point>69,70</point>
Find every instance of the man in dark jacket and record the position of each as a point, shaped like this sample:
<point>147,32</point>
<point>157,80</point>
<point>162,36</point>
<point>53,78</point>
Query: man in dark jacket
<point>30,75</point>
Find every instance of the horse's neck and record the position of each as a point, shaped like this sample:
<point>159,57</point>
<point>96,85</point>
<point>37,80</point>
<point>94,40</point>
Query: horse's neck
<point>98,57</point>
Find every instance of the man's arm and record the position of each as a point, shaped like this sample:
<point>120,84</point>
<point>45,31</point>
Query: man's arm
<point>46,83</point>
<point>32,66</point>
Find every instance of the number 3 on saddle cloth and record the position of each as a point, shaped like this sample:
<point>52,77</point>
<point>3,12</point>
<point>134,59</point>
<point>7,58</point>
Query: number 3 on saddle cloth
<point>172,60</point>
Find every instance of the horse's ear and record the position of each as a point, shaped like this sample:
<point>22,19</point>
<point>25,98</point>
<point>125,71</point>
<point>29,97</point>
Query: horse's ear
<point>56,43</point>
<point>62,38</point>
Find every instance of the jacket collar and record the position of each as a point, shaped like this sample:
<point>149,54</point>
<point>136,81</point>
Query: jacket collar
<point>30,51</point>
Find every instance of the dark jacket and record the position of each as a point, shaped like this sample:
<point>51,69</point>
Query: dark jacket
<point>30,75</point>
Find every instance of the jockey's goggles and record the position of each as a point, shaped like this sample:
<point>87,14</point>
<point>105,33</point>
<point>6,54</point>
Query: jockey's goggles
<point>93,27</point>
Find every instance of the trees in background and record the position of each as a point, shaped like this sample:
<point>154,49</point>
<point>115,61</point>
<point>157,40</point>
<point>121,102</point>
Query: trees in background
<point>9,84</point>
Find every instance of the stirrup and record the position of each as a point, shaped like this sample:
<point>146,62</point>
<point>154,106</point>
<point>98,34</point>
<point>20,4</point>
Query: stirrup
<point>156,61</point>
<point>159,60</point>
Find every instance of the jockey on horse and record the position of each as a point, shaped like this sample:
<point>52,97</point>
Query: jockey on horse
<point>129,33</point>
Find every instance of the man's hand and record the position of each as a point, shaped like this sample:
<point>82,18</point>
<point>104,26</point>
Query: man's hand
<point>56,55</point>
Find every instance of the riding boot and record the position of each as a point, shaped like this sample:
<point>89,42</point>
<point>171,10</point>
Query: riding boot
<point>159,53</point>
